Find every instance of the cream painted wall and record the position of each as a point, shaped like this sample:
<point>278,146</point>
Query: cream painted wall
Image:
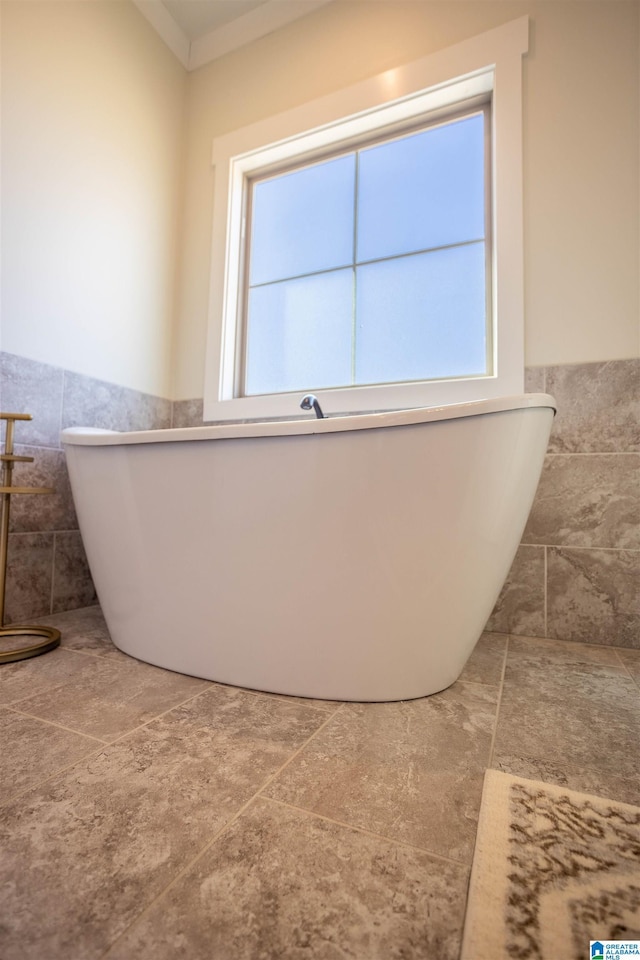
<point>96,112</point>
<point>92,137</point>
<point>581,151</point>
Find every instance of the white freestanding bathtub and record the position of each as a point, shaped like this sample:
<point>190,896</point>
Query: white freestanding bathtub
<point>350,558</point>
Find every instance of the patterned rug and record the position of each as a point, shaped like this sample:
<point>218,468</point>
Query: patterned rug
<point>553,870</point>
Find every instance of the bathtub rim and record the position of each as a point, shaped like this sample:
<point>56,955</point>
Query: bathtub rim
<point>96,436</point>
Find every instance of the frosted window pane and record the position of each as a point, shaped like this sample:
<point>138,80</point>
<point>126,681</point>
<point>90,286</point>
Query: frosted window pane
<point>422,316</point>
<point>300,334</point>
<point>423,191</point>
<point>303,221</point>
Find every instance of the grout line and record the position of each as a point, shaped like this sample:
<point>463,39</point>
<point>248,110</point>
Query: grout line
<point>570,643</point>
<point>103,743</point>
<point>283,697</point>
<point>470,683</point>
<point>624,665</point>
<point>546,592</point>
<point>90,653</point>
<point>57,530</point>
<point>48,689</point>
<point>364,831</point>
<point>498,705</point>
<point>199,693</point>
<point>158,716</point>
<point>618,657</point>
<point>53,573</point>
<point>59,726</point>
<point>61,409</point>
<point>31,533</point>
<point>571,546</point>
<point>218,833</point>
<point>72,679</point>
<point>33,445</point>
<point>297,752</point>
<point>180,874</point>
<point>592,453</point>
<point>40,783</point>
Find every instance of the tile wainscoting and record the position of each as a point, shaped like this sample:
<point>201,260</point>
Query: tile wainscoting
<point>576,575</point>
<point>47,568</point>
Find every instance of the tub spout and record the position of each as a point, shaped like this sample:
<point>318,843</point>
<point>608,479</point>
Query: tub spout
<point>309,402</point>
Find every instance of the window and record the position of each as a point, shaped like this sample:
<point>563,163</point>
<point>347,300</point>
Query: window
<point>370,266</point>
<point>372,258</point>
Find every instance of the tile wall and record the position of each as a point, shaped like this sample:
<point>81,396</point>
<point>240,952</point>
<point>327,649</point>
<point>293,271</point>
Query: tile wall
<point>576,575</point>
<point>47,568</point>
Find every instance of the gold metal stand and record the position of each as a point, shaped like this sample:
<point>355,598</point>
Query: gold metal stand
<point>51,635</point>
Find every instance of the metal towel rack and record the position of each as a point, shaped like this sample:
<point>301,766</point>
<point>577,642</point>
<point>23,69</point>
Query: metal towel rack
<point>7,489</point>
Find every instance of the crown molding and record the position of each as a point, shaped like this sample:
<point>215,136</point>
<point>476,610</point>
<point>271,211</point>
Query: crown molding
<point>231,36</point>
<point>257,23</point>
<point>163,23</point>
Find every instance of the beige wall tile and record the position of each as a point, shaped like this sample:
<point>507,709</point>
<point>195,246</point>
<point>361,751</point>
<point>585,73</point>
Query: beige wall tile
<point>94,403</point>
<point>534,381</point>
<point>29,576</point>
<point>27,386</point>
<point>486,661</point>
<point>43,512</point>
<point>587,500</point>
<point>187,413</point>
<point>520,608</point>
<point>594,595</point>
<point>598,407</point>
<point>72,583</point>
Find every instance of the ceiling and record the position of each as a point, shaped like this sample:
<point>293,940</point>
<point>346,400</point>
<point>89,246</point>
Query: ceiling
<point>199,31</point>
<point>198,17</point>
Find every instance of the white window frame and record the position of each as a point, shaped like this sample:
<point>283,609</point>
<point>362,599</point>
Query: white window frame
<point>487,65</point>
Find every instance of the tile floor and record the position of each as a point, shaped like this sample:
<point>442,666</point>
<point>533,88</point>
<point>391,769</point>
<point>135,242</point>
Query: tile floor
<point>145,814</point>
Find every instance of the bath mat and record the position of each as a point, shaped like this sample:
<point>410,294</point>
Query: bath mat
<point>552,871</point>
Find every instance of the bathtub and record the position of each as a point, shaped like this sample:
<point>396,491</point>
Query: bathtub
<point>350,558</point>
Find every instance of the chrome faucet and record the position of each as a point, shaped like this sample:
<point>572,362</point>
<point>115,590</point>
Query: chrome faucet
<point>309,402</point>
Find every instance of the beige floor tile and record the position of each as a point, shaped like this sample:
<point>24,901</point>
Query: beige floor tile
<point>84,853</point>
<point>84,631</point>
<point>560,651</point>
<point>408,771</point>
<point>250,724</point>
<point>631,660</point>
<point>81,856</point>
<point>327,706</point>
<point>575,713</point>
<point>574,776</point>
<point>113,698</point>
<point>33,750</point>
<point>283,885</point>
<point>27,678</point>
<point>487,660</point>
